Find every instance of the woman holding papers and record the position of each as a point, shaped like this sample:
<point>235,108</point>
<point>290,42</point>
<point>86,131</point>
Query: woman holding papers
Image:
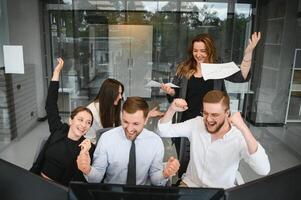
<point>192,85</point>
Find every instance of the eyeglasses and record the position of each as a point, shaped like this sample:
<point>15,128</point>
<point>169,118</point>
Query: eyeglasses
<point>212,115</point>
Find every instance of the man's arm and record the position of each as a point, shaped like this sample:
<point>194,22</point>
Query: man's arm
<point>255,155</point>
<point>238,121</point>
<point>167,129</point>
<point>178,105</point>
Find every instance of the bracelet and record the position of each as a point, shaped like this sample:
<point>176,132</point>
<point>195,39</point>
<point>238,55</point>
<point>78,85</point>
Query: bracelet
<point>247,60</point>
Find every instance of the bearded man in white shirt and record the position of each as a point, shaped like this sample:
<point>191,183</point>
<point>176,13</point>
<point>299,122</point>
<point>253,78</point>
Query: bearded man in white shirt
<point>218,142</point>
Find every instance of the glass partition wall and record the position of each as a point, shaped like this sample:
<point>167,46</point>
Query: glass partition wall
<point>136,41</point>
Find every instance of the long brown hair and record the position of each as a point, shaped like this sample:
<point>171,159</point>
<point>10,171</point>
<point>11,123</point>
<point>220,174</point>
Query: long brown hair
<point>109,113</point>
<point>189,66</point>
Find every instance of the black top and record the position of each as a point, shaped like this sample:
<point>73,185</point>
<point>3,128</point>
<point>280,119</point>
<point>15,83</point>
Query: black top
<point>196,90</point>
<point>60,161</point>
<point>58,157</point>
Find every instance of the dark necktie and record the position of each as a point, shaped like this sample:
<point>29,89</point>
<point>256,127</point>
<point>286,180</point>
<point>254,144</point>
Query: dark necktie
<point>131,178</point>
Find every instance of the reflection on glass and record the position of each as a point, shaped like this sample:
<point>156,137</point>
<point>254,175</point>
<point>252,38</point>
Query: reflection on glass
<point>95,47</point>
<point>83,24</point>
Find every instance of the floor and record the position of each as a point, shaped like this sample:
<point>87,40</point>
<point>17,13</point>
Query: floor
<point>283,146</point>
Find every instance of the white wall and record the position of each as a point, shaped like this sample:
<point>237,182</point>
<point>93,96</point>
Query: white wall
<point>25,29</point>
<point>24,26</point>
<point>3,29</point>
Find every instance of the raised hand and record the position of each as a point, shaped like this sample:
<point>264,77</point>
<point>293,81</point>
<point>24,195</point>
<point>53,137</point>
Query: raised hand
<point>167,89</point>
<point>171,167</point>
<point>83,162</point>
<point>251,45</point>
<point>57,70</point>
<point>179,105</point>
<point>60,64</point>
<point>237,120</point>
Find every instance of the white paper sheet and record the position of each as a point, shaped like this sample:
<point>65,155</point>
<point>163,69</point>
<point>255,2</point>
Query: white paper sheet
<point>172,85</point>
<point>157,84</point>
<point>13,59</point>
<point>218,71</point>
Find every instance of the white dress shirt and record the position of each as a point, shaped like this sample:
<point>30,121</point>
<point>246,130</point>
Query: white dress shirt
<point>111,156</point>
<point>214,164</point>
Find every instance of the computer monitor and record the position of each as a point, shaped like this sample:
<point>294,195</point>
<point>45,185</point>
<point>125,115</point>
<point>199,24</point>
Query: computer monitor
<point>99,191</point>
<point>17,183</point>
<point>281,185</point>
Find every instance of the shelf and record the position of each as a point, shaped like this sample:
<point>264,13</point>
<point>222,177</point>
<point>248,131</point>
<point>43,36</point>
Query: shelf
<point>293,120</point>
<point>273,44</point>
<point>275,19</point>
<point>270,68</point>
<point>296,88</point>
<point>293,110</point>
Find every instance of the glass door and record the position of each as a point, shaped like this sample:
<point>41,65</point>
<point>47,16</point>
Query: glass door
<point>137,41</point>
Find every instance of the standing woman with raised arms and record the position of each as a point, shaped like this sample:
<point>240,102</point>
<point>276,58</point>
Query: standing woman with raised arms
<point>190,79</point>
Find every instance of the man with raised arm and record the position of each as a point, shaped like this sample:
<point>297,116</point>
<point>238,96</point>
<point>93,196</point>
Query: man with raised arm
<point>218,142</point>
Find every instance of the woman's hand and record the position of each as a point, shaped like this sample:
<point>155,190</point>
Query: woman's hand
<point>154,113</point>
<point>60,65</point>
<point>251,46</point>
<point>167,89</point>
<point>247,59</point>
<point>57,70</point>
<point>85,146</point>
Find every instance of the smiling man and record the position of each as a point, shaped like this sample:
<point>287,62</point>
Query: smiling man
<point>112,154</point>
<point>218,142</point>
